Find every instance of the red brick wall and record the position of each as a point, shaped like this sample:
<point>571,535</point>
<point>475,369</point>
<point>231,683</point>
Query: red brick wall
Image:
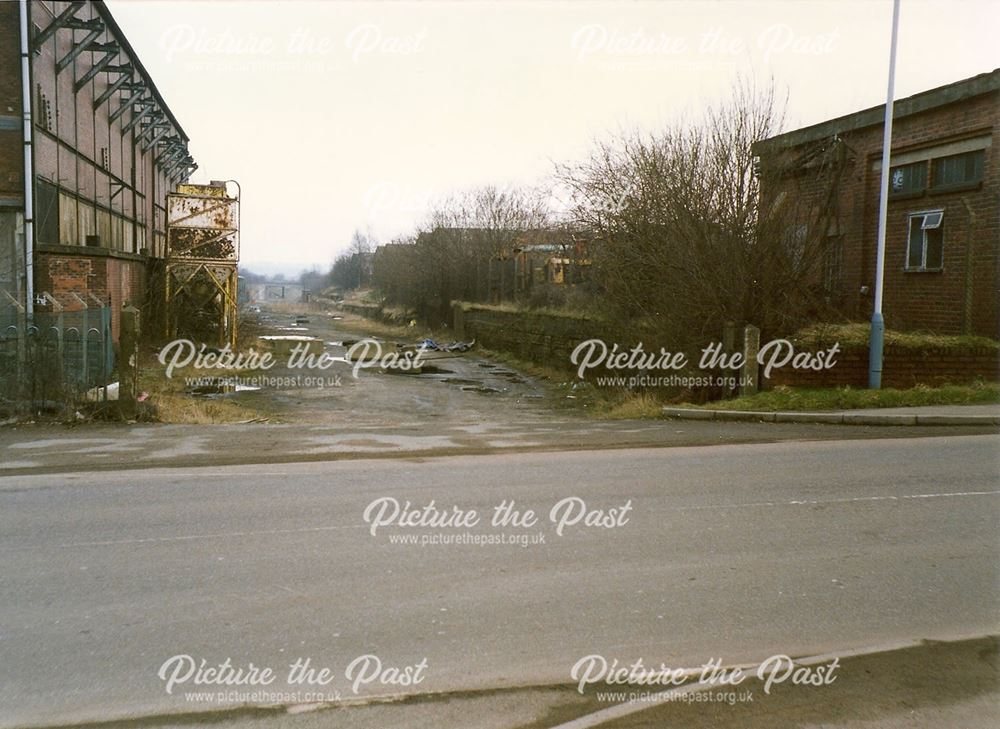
<point>112,281</point>
<point>963,297</point>
<point>901,368</point>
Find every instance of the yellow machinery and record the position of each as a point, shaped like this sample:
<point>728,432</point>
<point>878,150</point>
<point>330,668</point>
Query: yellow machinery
<point>203,250</point>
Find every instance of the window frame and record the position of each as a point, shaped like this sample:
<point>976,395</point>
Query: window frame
<point>924,164</point>
<point>922,215</point>
<point>933,186</point>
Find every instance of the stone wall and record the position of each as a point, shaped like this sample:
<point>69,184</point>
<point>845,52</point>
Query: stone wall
<point>544,338</point>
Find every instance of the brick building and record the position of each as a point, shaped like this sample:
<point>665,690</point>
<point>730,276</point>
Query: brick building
<point>105,151</point>
<point>943,223</point>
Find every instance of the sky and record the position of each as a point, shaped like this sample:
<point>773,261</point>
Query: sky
<point>360,115</point>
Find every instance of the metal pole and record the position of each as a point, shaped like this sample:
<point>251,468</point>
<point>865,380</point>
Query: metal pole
<point>29,173</point>
<point>877,338</point>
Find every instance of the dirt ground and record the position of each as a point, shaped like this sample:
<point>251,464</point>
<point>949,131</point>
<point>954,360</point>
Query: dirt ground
<point>463,389</point>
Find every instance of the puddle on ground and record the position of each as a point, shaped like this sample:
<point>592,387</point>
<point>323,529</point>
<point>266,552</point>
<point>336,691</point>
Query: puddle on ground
<point>484,389</point>
<point>434,370</point>
<point>460,381</point>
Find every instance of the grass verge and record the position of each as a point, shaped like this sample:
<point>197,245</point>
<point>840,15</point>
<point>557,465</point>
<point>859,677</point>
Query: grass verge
<point>857,334</point>
<point>170,403</point>
<point>848,398</point>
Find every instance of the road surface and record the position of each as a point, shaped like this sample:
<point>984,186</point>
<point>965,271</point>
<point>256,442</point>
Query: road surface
<point>732,551</point>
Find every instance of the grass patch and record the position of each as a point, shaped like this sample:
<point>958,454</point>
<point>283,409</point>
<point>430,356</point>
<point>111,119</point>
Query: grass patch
<point>513,308</point>
<point>849,398</point>
<point>635,406</point>
<point>392,332</point>
<point>173,405</point>
<point>856,335</point>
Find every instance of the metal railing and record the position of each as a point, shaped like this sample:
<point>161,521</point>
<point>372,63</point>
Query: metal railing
<point>56,357</point>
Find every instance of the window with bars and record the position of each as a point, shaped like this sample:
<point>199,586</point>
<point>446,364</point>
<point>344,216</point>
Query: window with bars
<point>908,179</point>
<point>957,170</point>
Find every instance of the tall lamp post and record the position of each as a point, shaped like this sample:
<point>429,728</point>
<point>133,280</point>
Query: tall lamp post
<point>877,338</point>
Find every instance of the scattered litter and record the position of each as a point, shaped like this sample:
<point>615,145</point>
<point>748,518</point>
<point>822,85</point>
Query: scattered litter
<point>432,346</point>
<point>103,394</point>
<point>219,387</point>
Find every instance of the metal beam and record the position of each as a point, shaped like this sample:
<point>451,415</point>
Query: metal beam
<point>173,165</point>
<point>169,153</point>
<point>128,103</point>
<point>178,174</point>
<point>58,22</point>
<point>169,147</point>
<point>156,137</point>
<point>170,159</point>
<point>78,24</point>
<point>95,69</point>
<point>109,92</point>
<point>77,49</point>
<point>146,107</point>
<point>156,123</point>
<point>109,47</point>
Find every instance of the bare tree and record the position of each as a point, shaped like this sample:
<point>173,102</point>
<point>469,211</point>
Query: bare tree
<point>685,240</point>
<point>449,259</point>
<point>353,268</point>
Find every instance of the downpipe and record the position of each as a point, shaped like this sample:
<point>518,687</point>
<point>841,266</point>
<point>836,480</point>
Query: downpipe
<point>29,172</point>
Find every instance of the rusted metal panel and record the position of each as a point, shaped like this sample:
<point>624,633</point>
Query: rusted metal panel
<point>203,224</point>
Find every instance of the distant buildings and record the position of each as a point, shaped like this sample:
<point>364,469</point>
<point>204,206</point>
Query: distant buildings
<point>942,240</point>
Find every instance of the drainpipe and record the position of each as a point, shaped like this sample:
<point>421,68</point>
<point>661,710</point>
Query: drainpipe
<point>29,172</point>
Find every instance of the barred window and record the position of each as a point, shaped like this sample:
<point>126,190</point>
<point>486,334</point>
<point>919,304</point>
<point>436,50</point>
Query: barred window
<point>958,170</point>
<point>906,179</point>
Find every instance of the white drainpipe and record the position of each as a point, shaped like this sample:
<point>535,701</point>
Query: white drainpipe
<point>29,172</point>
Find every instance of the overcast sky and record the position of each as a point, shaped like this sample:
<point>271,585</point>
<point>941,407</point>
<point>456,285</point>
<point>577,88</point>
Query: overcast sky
<point>336,116</point>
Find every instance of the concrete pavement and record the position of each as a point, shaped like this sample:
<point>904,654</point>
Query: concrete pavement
<point>983,416</point>
<point>736,551</point>
<point>55,449</point>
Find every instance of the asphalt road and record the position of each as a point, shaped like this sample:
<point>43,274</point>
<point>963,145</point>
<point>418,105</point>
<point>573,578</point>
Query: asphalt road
<point>733,551</point>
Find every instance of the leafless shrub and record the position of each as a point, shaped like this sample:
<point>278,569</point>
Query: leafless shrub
<point>686,243</point>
